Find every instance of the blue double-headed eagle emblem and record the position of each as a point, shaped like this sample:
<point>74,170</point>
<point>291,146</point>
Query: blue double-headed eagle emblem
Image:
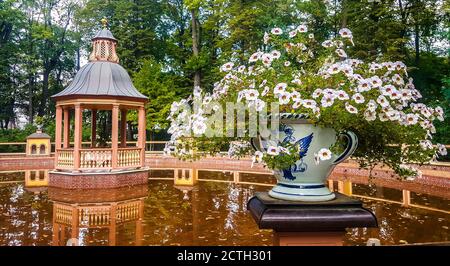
<point>303,145</point>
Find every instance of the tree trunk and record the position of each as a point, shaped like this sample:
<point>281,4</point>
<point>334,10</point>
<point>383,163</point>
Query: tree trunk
<point>44,97</point>
<point>78,59</point>
<point>195,44</point>
<point>417,42</point>
<point>344,14</point>
<point>30,98</point>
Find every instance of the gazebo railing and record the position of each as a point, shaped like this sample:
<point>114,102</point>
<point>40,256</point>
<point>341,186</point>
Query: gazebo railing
<point>99,158</point>
<point>64,158</point>
<point>127,157</point>
<point>95,158</point>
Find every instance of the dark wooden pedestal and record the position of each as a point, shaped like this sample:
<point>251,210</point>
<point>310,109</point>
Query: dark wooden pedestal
<point>309,223</point>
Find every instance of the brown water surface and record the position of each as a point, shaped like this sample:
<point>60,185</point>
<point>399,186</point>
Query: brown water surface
<point>211,213</point>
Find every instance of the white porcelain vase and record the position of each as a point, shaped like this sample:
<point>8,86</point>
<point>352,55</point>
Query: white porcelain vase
<point>305,180</point>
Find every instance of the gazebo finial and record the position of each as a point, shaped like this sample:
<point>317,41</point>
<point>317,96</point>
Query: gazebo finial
<point>104,22</point>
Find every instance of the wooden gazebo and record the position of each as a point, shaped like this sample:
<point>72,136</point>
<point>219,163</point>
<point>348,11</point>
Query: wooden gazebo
<point>102,84</point>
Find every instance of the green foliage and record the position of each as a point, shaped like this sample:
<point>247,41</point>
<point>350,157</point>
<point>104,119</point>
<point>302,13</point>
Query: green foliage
<point>160,88</point>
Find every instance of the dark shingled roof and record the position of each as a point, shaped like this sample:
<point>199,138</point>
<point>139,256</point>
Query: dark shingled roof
<point>38,135</point>
<point>101,78</point>
<point>104,34</point>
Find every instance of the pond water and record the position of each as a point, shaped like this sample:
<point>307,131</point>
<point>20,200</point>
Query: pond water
<point>213,212</point>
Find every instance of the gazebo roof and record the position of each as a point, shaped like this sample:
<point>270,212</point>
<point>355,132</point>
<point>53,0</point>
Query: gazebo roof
<point>101,78</point>
<point>38,135</point>
<point>103,75</point>
<point>104,34</point>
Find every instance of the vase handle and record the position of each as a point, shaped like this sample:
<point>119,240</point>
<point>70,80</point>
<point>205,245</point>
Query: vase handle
<point>352,144</point>
<point>256,143</point>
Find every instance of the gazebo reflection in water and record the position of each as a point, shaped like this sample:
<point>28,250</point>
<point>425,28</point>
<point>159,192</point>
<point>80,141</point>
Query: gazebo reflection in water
<point>96,210</point>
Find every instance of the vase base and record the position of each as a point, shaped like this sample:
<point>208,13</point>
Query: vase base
<point>282,192</point>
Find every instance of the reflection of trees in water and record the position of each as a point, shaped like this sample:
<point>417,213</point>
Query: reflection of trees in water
<point>163,216</point>
<point>25,216</point>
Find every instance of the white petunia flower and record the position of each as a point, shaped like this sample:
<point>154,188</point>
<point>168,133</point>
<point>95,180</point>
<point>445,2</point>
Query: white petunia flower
<point>397,79</point>
<point>259,105</point>
<point>439,113</point>
<point>426,112</point>
<point>327,101</point>
<point>227,66</point>
<point>387,90</point>
<point>324,154</point>
<point>350,108</point>
<point>292,33</point>
<point>372,106</point>
<point>327,44</point>
<point>284,98</point>
<point>395,95</point>
<point>276,31</point>
<point>255,57</point>
<point>287,63</point>
<point>257,157</point>
<point>284,150</point>
<point>376,82</point>
<point>345,33</point>
<point>348,70</point>
<point>411,119</point>
<point>251,94</point>
<point>370,116</point>
<point>265,91</point>
<point>302,28</point>
<point>297,104</point>
<point>405,95</point>
<point>263,83</point>
<point>426,144</point>
<point>334,69</point>
<point>442,149</point>
<point>279,88</point>
<point>311,35</point>
<point>275,54</point>
<point>383,117</point>
<point>364,85</point>
<point>358,98</point>
<point>342,95</point>
<point>295,95</point>
<point>393,115</point>
<point>273,150</point>
<point>341,53</point>
<point>317,93</point>
<point>241,95</point>
<point>266,59</point>
<point>381,100</point>
<point>309,104</point>
<point>329,92</point>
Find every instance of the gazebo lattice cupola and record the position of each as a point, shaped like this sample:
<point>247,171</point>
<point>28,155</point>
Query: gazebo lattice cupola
<point>102,84</point>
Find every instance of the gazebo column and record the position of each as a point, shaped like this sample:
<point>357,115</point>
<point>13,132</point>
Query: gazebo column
<point>93,127</point>
<point>141,134</point>
<point>77,136</point>
<point>115,134</point>
<point>58,128</point>
<point>66,143</point>
<point>123,128</point>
